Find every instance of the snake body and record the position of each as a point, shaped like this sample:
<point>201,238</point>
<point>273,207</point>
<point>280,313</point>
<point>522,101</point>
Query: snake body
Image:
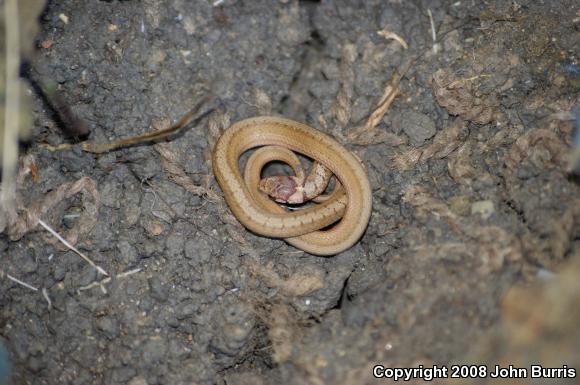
<point>300,228</point>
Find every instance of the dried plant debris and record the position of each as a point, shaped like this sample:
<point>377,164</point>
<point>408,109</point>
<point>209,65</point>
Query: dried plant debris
<point>390,93</point>
<point>299,284</point>
<point>369,133</point>
<point>459,165</point>
<point>541,147</point>
<point>364,136</point>
<point>473,91</point>
<point>284,330</point>
<point>565,230</point>
<point>26,215</point>
<point>185,120</point>
<point>539,326</point>
<point>170,165</point>
<point>460,97</point>
<point>445,142</point>
<point>489,248</point>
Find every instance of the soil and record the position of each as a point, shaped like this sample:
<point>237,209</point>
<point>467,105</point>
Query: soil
<point>469,169</point>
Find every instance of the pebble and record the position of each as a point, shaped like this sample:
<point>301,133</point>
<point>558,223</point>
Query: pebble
<point>64,18</point>
<point>175,243</point>
<point>127,253</point>
<point>158,289</point>
<point>154,350</point>
<point>137,381</point>
<point>198,249</point>
<point>418,127</point>
<point>484,208</point>
<point>109,326</point>
<point>186,310</point>
<point>460,205</point>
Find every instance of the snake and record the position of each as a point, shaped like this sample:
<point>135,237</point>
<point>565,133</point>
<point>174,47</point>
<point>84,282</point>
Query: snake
<point>325,229</point>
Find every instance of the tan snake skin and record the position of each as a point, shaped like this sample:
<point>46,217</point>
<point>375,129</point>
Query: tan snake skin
<point>300,227</point>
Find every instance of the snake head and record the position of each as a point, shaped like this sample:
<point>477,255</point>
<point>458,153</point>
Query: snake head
<point>283,189</point>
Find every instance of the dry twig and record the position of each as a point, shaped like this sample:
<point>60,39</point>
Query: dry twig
<point>61,239</point>
<point>389,35</point>
<point>368,133</point>
<point>13,279</point>
<point>102,282</point>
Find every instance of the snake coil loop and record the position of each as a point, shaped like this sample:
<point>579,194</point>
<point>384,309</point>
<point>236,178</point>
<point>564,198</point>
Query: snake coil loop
<point>300,228</point>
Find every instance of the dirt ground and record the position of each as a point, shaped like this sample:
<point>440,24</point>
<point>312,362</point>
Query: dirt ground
<point>469,168</point>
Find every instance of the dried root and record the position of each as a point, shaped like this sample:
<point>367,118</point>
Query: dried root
<point>27,215</point>
<point>444,143</point>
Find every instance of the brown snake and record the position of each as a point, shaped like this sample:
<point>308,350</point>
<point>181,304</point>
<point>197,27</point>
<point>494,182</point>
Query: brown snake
<point>300,228</point>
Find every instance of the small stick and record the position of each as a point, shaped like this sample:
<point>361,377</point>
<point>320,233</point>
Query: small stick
<point>99,148</point>
<point>19,281</point>
<point>65,242</point>
<point>128,273</point>
<point>391,92</point>
<point>389,35</point>
<point>46,297</point>
<point>433,32</point>
<point>107,280</point>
